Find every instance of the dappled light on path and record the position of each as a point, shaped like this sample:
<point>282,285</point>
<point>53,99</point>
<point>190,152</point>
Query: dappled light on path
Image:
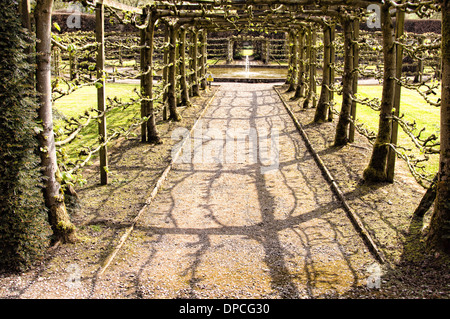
<point>237,229</point>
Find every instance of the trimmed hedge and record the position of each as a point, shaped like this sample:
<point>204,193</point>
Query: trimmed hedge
<point>24,230</point>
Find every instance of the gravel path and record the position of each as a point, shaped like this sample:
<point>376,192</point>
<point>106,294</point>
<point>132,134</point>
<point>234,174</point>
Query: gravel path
<point>251,218</point>
<point>242,227</point>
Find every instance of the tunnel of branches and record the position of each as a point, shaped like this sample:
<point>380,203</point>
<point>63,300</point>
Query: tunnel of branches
<point>171,42</point>
<point>326,47</point>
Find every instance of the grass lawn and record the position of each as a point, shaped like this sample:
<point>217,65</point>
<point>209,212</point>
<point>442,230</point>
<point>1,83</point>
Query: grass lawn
<point>413,106</point>
<point>85,99</point>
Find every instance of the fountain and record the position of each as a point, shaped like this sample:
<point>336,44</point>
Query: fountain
<point>247,67</point>
<point>240,71</point>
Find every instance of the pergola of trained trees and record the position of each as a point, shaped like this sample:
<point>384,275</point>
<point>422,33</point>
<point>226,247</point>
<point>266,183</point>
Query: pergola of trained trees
<point>176,32</point>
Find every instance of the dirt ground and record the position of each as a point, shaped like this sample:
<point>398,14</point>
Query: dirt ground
<point>257,224</point>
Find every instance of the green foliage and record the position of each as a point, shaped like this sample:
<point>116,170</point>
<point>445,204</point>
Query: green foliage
<point>24,230</point>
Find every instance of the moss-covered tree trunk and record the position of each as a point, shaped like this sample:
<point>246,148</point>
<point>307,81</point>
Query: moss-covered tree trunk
<point>322,107</point>
<point>172,76</point>
<point>341,137</point>
<point>439,234</point>
<point>183,80</point>
<point>376,170</point>
<point>63,229</point>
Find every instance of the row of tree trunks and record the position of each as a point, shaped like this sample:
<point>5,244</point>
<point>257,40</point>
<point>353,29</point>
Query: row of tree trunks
<point>177,34</point>
<point>376,171</point>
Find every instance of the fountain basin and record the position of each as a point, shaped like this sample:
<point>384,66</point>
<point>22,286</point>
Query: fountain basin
<point>238,73</point>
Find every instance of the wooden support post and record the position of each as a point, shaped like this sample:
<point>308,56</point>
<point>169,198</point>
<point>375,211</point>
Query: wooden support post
<point>355,49</point>
<point>399,30</point>
<point>101,95</point>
